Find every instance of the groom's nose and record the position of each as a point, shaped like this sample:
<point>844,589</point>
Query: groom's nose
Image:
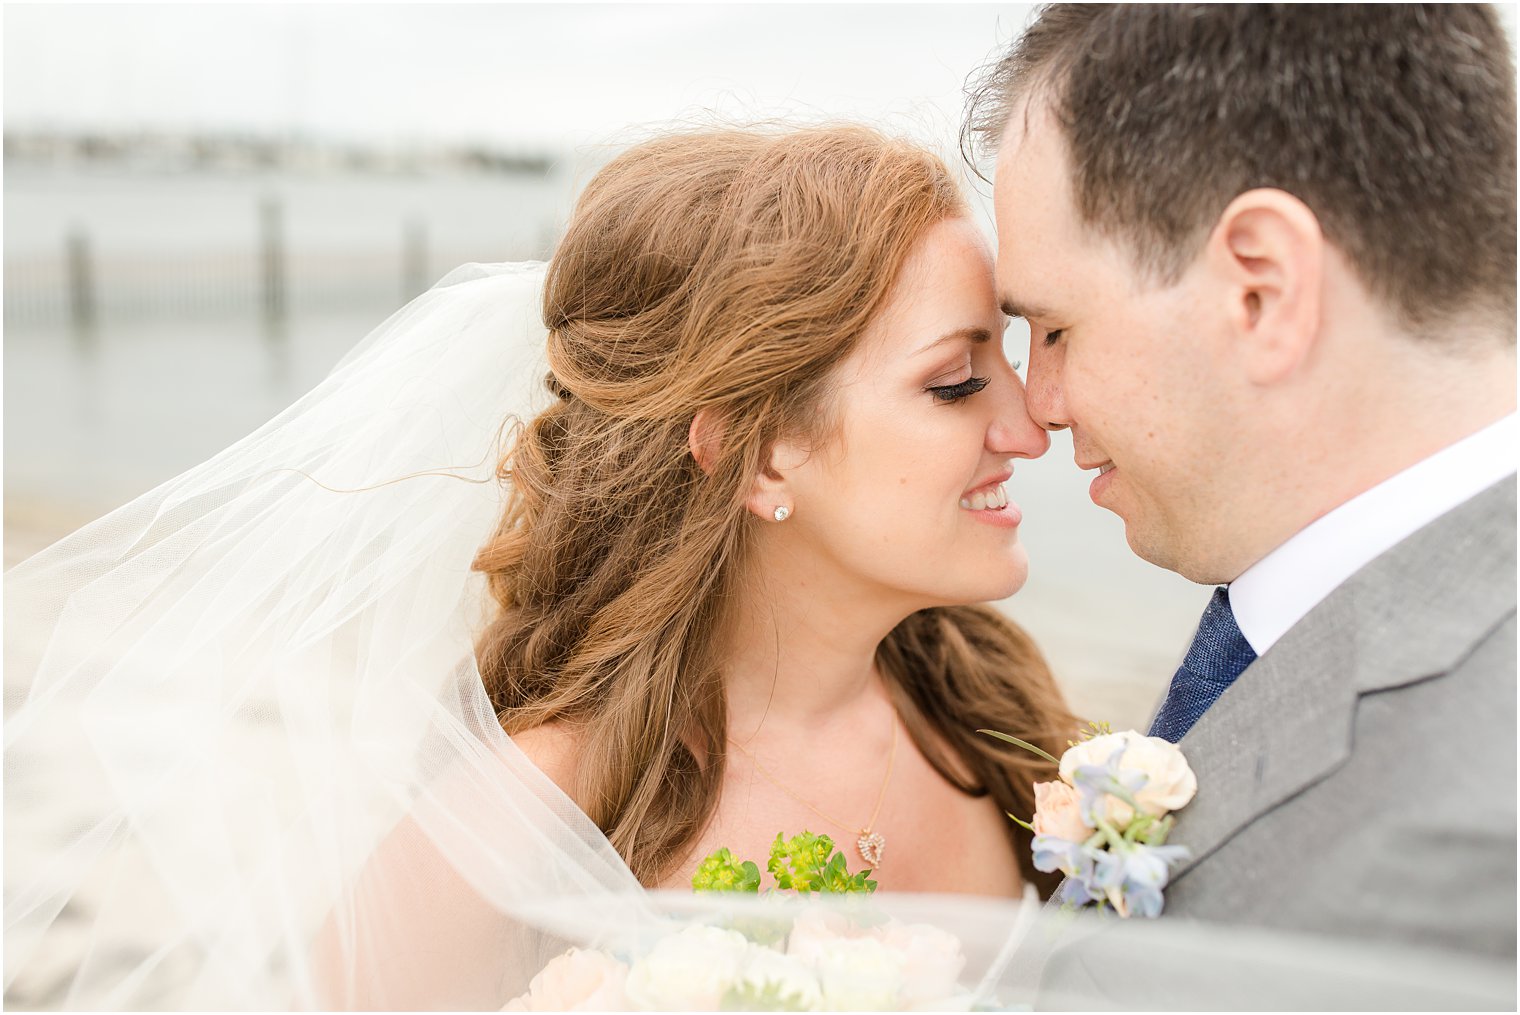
<point>1047,401</point>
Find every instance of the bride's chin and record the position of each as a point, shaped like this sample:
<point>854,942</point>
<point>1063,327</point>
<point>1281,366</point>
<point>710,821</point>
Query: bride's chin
<point>1015,576</point>
<point>992,586</point>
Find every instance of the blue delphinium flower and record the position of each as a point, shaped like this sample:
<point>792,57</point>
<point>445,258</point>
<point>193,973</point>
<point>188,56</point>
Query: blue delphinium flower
<point>1107,871</point>
<point>1146,871</point>
<point>1074,859</point>
<point>1074,893</point>
<point>1052,853</point>
<point>1095,782</point>
<point>1139,872</point>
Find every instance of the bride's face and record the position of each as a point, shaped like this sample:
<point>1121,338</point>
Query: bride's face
<point>911,492</point>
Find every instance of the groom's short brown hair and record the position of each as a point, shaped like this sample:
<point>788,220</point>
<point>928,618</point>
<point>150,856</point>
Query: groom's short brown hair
<point>1395,124</point>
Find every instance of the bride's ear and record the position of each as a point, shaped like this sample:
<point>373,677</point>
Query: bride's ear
<point>770,494</point>
<point>769,488</point>
<point>705,439</point>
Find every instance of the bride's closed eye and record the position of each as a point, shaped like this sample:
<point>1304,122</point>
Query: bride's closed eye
<point>956,392</point>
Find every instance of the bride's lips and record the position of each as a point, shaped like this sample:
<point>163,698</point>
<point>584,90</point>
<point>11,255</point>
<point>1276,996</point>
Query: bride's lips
<point>1004,515</point>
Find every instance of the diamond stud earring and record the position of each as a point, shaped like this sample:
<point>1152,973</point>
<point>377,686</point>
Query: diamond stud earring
<point>782,513</point>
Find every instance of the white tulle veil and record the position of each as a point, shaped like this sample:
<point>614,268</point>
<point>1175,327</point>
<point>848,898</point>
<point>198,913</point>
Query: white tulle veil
<point>249,763</point>
<point>244,680</point>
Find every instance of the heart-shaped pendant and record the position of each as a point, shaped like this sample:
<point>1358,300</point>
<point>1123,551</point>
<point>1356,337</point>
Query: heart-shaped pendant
<point>870,846</point>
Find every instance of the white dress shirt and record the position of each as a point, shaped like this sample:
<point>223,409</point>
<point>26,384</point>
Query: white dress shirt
<point>1277,591</point>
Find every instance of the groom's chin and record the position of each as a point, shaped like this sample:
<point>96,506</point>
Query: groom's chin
<point>1146,542</point>
<point>1182,556</point>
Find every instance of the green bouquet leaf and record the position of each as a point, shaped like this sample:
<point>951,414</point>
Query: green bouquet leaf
<point>805,863</point>
<point>721,872</point>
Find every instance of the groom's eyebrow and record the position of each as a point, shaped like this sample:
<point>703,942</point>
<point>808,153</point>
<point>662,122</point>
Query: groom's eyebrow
<point>1013,308</point>
<point>976,336</point>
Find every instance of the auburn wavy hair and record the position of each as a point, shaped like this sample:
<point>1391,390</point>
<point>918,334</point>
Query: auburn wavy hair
<point>729,271</point>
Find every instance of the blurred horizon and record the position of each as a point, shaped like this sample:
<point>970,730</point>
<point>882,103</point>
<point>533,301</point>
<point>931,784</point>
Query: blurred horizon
<point>548,76</point>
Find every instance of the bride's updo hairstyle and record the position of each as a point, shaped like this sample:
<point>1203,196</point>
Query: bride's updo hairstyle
<point>729,271</point>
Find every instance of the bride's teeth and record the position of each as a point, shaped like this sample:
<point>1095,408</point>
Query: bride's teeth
<point>993,498</point>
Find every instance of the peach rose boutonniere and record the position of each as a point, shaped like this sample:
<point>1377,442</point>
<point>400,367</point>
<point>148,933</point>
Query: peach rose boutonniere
<point>1105,824</point>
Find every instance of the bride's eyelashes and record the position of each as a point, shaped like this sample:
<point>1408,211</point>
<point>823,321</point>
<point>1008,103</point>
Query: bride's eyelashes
<point>956,392</point>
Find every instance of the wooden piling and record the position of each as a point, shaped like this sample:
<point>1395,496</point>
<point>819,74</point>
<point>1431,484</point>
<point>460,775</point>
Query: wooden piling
<point>272,241</point>
<point>81,280</point>
<point>414,266</point>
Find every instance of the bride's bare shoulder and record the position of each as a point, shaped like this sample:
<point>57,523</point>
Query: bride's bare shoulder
<point>554,748</point>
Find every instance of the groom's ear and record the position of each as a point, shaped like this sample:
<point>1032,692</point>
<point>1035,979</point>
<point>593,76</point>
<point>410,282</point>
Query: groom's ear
<point>1269,250</point>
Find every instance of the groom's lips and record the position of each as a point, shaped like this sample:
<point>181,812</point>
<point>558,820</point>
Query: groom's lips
<point>1102,481</point>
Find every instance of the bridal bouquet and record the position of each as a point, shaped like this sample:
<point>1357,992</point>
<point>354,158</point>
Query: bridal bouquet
<point>825,963</point>
<point>818,958</point>
<point>1105,824</point>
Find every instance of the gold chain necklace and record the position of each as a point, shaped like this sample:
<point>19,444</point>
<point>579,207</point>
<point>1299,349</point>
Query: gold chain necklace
<point>868,843</point>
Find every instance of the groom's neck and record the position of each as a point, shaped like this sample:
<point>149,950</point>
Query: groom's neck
<point>1392,401</point>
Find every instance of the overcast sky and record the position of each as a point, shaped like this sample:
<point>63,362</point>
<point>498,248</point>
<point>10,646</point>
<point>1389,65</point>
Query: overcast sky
<point>502,73</point>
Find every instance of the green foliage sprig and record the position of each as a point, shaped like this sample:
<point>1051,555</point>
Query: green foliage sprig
<point>1093,729</point>
<point>721,872</point>
<point>805,864</point>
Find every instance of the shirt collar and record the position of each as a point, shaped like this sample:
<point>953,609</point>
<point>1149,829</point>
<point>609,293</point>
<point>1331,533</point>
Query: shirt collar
<point>1277,591</point>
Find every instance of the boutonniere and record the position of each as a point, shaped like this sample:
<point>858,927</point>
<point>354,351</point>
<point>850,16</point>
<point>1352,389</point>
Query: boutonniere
<point>1105,824</point>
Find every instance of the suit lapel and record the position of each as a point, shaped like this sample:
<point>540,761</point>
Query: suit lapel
<point>1410,615</point>
<point>1283,725</point>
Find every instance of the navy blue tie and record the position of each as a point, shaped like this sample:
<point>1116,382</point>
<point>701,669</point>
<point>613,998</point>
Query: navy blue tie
<point>1218,655</point>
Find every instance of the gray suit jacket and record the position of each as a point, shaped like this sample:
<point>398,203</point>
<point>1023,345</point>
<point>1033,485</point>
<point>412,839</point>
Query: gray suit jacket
<point>1358,780</point>
<point>1357,785</point>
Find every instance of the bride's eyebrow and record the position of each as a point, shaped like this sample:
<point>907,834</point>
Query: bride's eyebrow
<point>976,336</point>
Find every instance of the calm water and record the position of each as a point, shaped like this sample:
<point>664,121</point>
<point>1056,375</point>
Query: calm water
<point>94,417</point>
<point>136,214</point>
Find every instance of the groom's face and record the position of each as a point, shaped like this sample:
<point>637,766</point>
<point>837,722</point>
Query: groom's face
<point>1126,363</point>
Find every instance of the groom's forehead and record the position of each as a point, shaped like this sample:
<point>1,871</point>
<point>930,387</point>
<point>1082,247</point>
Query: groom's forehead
<point>1041,237</point>
<point>1031,184</point>
<point>1031,141</point>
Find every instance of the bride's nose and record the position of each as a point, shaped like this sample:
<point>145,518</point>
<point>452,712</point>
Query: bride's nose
<point>1012,432</point>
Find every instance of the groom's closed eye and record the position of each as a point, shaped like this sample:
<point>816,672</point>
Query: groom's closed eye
<point>1029,315</point>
